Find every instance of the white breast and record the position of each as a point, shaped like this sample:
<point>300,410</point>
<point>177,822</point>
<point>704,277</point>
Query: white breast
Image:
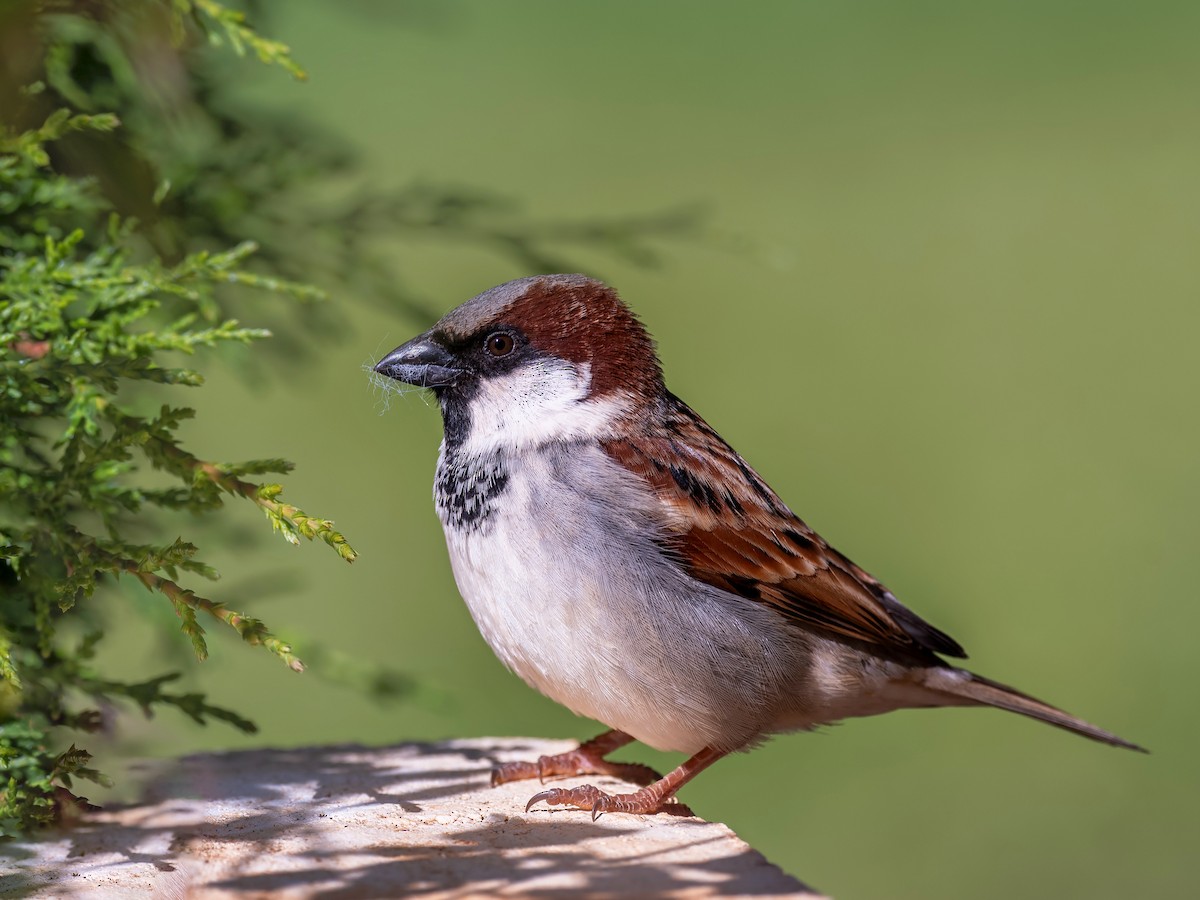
<point>569,589</point>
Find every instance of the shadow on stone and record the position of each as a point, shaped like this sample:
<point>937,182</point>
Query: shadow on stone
<point>349,822</point>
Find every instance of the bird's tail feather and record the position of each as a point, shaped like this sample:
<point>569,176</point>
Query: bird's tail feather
<point>970,689</point>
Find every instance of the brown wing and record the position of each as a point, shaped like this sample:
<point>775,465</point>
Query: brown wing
<point>735,533</point>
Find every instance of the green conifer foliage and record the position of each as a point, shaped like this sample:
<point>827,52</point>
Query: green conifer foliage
<point>139,206</point>
<point>93,309</point>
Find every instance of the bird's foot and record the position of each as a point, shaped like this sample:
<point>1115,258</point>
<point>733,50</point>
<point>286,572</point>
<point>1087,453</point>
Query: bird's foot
<point>647,801</point>
<point>586,759</point>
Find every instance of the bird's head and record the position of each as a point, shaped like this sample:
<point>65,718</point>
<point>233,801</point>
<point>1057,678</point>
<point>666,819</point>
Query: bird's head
<point>551,357</point>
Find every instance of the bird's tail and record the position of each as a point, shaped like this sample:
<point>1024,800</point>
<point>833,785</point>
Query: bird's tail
<point>969,689</point>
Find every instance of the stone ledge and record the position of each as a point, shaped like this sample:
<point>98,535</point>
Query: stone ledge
<point>350,822</point>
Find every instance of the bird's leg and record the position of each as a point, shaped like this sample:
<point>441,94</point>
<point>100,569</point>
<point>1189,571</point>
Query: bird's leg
<point>586,759</point>
<point>654,798</point>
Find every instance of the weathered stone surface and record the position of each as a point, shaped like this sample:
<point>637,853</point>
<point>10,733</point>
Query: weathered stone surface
<point>351,822</point>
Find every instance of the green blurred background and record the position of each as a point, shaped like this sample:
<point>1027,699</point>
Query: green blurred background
<point>944,299</point>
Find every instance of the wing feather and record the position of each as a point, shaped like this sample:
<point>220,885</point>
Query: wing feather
<point>732,531</point>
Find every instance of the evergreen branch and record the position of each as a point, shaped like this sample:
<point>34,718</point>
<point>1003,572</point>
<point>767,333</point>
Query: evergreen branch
<point>90,301</point>
<point>291,521</point>
<point>187,602</point>
<point>253,631</point>
<point>147,694</point>
<point>8,671</point>
<point>30,145</point>
<point>27,794</point>
<point>74,762</point>
<point>240,36</point>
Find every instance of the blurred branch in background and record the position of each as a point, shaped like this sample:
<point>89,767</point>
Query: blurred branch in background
<point>199,169</point>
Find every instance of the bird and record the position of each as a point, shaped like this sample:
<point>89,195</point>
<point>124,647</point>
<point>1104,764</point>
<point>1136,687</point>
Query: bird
<point>624,560</point>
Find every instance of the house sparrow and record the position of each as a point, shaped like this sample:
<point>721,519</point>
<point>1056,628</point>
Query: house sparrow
<point>625,561</point>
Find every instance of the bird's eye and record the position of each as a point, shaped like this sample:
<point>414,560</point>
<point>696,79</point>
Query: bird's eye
<point>499,343</point>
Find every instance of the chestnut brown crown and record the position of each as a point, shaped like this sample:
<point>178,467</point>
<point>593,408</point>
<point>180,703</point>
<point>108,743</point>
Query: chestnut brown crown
<point>571,317</point>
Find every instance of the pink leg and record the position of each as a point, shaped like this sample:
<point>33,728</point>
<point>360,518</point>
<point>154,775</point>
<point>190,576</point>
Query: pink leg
<point>586,759</point>
<point>654,798</point>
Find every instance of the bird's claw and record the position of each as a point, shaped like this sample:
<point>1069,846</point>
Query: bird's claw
<point>542,795</point>
<point>586,797</point>
<point>583,797</point>
<point>580,761</point>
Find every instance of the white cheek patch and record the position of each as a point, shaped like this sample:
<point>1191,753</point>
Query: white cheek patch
<point>535,404</point>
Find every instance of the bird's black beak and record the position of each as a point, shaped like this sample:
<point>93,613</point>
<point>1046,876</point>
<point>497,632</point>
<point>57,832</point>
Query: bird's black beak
<point>422,361</point>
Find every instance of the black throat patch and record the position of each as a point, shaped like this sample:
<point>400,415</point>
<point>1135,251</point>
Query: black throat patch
<point>467,488</point>
<point>455,404</point>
